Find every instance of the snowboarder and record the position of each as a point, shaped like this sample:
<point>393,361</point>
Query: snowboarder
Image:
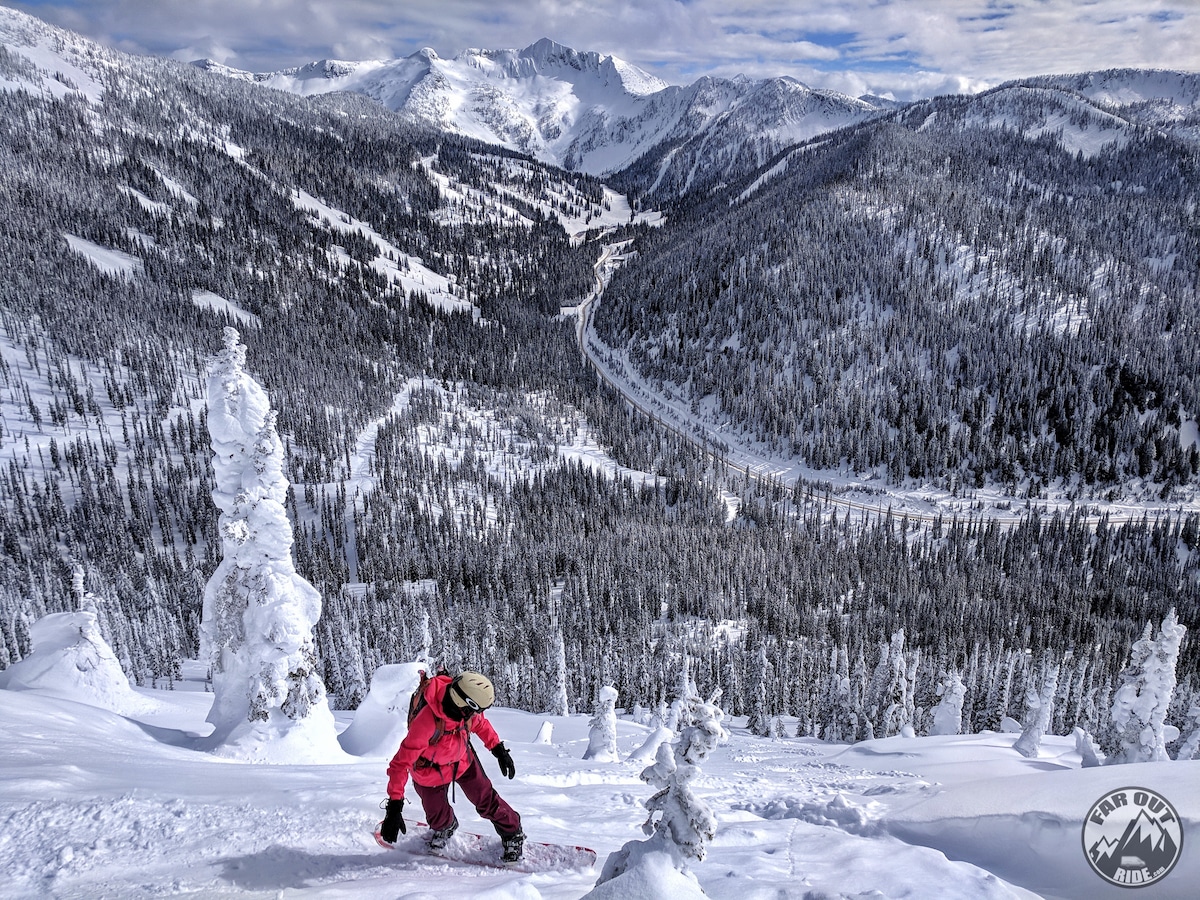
<point>438,753</point>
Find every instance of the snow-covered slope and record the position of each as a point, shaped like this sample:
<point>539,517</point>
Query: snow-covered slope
<point>50,59</point>
<point>581,110</point>
<point>718,130</point>
<point>1034,112</point>
<point>1164,100</point>
<point>94,804</point>
<point>1126,87</point>
<point>1085,113</point>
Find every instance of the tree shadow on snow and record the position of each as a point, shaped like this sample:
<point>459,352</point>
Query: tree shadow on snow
<point>188,740</point>
<point>279,868</point>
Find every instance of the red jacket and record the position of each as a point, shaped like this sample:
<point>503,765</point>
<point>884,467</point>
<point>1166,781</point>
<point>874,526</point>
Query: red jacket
<point>433,760</point>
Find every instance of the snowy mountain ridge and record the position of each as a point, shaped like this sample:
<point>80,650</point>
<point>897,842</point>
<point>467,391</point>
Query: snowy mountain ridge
<point>402,294</point>
<point>598,114</point>
<point>582,110</point>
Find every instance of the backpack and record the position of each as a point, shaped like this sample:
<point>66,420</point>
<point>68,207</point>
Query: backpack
<point>418,702</point>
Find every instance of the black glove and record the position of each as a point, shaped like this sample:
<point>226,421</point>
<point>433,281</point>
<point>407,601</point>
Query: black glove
<point>393,822</point>
<point>507,769</point>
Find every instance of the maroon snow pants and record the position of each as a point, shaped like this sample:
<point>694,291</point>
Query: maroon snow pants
<point>479,790</point>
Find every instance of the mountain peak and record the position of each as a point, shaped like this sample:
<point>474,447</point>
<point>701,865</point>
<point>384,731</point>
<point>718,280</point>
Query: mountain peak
<point>546,49</point>
<point>581,109</point>
<point>324,68</point>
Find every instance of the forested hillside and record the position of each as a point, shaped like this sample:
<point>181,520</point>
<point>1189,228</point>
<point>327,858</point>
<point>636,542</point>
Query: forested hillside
<point>992,289</point>
<point>139,219</point>
<point>945,298</point>
<point>927,296</point>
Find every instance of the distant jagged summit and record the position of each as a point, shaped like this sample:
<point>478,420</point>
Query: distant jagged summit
<point>548,58</point>
<point>588,111</point>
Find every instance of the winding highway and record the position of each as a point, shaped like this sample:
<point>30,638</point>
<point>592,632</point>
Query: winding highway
<point>766,472</point>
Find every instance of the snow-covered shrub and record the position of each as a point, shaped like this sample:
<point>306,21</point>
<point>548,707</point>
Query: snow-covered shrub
<point>269,700</point>
<point>70,658</point>
<point>381,720</point>
<point>1190,748</point>
<point>1140,703</point>
<point>1086,750</point>
<point>602,738</point>
<point>649,748</point>
<point>639,715</point>
<point>650,871</point>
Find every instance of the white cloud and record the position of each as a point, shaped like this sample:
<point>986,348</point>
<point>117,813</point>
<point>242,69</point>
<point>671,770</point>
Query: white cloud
<point>906,47</point>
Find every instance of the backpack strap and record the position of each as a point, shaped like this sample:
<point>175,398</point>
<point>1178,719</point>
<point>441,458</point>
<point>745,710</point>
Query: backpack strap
<point>418,701</point>
<point>438,730</point>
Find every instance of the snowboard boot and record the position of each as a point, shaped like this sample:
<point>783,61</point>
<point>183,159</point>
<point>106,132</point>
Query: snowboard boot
<point>441,837</point>
<point>514,847</point>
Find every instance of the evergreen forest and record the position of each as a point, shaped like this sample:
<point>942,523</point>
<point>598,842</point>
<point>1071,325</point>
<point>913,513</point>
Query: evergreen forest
<point>934,296</point>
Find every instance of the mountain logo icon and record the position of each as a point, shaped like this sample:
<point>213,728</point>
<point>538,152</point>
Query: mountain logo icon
<point>1132,837</point>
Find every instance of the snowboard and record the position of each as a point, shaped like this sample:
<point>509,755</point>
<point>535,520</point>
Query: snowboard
<point>479,850</point>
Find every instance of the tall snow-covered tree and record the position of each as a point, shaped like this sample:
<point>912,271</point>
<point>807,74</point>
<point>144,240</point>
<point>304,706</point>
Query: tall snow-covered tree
<point>1140,703</point>
<point>602,738</point>
<point>269,700</point>
<point>891,701</point>
<point>946,717</point>
<point>559,704</point>
<point>1039,710</point>
<point>355,685</point>
<point>859,692</point>
<point>839,710</point>
<point>760,677</point>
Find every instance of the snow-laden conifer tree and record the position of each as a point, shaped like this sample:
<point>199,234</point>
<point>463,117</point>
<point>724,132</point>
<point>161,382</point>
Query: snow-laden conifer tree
<point>602,738</point>
<point>759,721</point>
<point>1189,748</point>
<point>891,703</point>
<point>354,678</point>
<point>559,704</point>
<point>426,637</point>
<point>859,693</point>
<point>684,818</point>
<point>685,823</point>
<point>947,715</point>
<point>840,716</point>
<point>269,700</point>
<point>1140,703</point>
<point>1039,706</point>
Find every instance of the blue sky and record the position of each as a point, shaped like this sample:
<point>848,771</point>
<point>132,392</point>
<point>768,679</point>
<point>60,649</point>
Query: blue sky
<point>905,48</point>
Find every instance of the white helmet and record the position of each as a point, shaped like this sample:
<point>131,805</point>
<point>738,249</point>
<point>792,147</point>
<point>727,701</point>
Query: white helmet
<point>472,691</point>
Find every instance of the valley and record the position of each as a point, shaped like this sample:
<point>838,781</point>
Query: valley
<point>783,377</point>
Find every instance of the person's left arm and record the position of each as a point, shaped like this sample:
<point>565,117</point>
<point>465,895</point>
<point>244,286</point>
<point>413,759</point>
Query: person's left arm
<point>482,727</point>
<point>478,724</point>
